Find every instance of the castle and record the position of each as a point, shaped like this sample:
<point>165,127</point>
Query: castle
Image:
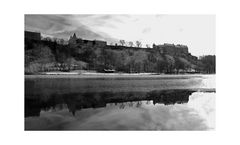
<point>172,49</point>
<point>166,48</point>
<point>73,40</point>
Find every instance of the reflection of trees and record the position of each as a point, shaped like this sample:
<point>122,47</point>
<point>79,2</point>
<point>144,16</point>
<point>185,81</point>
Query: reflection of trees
<point>139,104</point>
<point>78,101</point>
<point>111,104</point>
<point>170,96</point>
<point>130,104</point>
<point>122,106</point>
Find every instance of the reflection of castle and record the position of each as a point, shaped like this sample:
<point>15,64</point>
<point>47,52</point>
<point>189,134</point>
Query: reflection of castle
<point>74,102</point>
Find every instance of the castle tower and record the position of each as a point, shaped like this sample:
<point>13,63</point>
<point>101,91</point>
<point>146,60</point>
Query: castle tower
<point>73,39</point>
<point>74,36</point>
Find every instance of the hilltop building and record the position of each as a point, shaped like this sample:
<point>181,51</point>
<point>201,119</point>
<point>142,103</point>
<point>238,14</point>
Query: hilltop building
<point>166,48</point>
<point>172,49</point>
<point>73,40</point>
<point>32,35</point>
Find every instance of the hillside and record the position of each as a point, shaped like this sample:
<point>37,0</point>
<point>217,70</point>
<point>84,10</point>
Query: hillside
<point>46,55</point>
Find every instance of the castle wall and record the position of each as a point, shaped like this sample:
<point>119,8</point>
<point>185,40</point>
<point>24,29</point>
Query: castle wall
<point>172,49</point>
<point>77,41</point>
<point>100,43</point>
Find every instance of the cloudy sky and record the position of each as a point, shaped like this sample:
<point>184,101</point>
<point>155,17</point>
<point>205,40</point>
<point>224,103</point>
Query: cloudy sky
<point>195,31</point>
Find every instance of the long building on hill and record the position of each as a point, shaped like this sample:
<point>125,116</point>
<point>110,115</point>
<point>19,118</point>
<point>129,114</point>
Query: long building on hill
<point>74,40</point>
<point>166,48</point>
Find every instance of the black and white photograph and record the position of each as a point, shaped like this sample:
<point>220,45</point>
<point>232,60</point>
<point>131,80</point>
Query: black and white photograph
<point>137,72</point>
<point>119,72</point>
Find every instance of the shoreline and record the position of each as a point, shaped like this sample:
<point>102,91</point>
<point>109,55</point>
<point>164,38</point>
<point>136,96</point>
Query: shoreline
<point>113,75</point>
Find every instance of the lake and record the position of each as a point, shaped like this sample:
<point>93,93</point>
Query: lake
<point>120,102</point>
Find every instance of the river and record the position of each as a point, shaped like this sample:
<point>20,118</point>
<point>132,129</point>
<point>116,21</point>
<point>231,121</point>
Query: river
<point>120,102</point>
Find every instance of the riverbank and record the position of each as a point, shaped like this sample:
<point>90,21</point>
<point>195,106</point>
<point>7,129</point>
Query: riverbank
<point>94,74</point>
<point>116,75</point>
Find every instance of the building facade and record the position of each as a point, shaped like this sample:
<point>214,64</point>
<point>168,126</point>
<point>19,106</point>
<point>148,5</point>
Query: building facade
<point>172,49</point>
<point>73,40</point>
<point>32,35</point>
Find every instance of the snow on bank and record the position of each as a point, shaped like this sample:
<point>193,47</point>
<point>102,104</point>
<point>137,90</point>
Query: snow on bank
<point>94,73</point>
<point>60,73</point>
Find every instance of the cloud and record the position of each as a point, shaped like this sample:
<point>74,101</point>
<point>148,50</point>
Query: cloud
<point>48,23</point>
<point>160,15</point>
<point>146,30</point>
<point>62,26</point>
<point>180,29</point>
<point>195,31</point>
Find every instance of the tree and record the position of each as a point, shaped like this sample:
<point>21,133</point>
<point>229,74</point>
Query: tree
<point>139,58</point>
<point>179,65</point>
<point>40,58</point>
<point>138,44</point>
<point>122,42</point>
<point>48,39</point>
<point>154,45</point>
<point>147,45</point>
<point>208,63</point>
<point>170,63</point>
<point>130,44</point>
<point>61,41</point>
<point>54,39</point>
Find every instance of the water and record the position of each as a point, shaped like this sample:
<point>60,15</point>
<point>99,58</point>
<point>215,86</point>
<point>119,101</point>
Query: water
<point>120,103</point>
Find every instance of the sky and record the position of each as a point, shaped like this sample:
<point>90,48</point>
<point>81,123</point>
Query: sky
<point>195,31</point>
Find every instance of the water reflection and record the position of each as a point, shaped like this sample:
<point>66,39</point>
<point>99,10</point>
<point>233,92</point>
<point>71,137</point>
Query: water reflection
<point>125,104</point>
<point>78,101</point>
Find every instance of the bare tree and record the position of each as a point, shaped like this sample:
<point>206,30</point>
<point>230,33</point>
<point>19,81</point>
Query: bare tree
<point>61,41</point>
<point>139,104</point>
<point>54,39</point>
<point>122,42</point>
<point>130,44</point>
<point>138,44</point>
<point>154,45</point>
<point>47,39</point>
